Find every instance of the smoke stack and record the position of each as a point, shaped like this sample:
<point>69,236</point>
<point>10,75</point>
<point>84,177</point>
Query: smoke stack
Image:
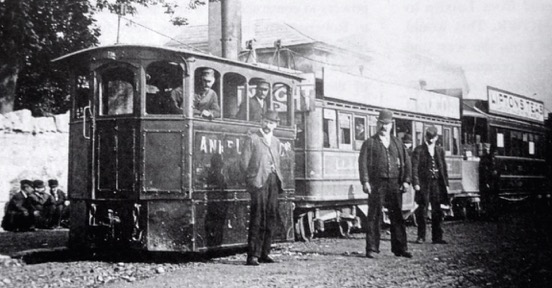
<point>230,28</point>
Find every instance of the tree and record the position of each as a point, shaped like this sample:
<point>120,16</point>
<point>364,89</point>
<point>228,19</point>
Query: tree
<point>33,32</point>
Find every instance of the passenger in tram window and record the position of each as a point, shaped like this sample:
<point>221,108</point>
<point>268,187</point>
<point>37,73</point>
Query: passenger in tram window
<point>257,104</point>
<point>260,162</point>
<point>385,170</point>
<point>205,103</point>
<point>359,130</point>
<point>430,179</point>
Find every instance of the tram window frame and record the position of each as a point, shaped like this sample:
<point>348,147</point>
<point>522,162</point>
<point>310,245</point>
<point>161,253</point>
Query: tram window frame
<point>163,80</point>
<point>329,128</point>
<point>300,137</point>
<point>447,143</point>
<point>102,75</point>
<point>229,110</point>
<point>82,90</point>
<point>359,139</point>
<point>285,116</point>
<point>216,87</point>
<point>455,143</point>
<point>419,133</point>
<point>345,131</point>
<point>372,125</point>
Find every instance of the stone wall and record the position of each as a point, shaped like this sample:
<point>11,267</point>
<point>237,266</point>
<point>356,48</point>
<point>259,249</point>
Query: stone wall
<point>32,148</point>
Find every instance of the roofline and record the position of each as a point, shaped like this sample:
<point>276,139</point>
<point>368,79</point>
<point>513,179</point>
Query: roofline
<point>179,50</point>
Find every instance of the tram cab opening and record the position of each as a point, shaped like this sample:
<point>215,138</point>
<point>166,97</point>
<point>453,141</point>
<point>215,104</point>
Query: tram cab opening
<point>150,172</point>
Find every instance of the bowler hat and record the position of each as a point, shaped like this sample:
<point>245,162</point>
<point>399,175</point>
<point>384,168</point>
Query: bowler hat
<point>271,115</point>
<point>431,132</point>
<point>407,138</point>
<point>385,116</point>
<point>38,184</point>
<point>53,183</point>
<point>26,182</point>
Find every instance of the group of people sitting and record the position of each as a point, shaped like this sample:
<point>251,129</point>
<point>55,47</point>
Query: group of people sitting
<point>36,207</point>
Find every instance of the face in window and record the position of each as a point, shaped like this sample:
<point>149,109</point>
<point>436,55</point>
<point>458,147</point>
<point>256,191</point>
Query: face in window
<point>207,82</point>
<point>262,90</point>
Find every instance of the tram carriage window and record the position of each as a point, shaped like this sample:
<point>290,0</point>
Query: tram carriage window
<point>233,87</point>
<point>117,91</point>
<point>345,131</point>
<point>82,94</point>
<point>206,102</point>
<point>402,127</point>
<point>281,98</point>
<point>300,124</point>
<point>257,97</point>
<point>372,125</point>
<point>163,82</point>
<point>360,132</point>
<point>447,141</point>
<point>329,127</point>
<point>455,134</point>
<point>419,133</point>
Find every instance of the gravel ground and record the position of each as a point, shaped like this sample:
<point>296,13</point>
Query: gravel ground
<point>514,251</point>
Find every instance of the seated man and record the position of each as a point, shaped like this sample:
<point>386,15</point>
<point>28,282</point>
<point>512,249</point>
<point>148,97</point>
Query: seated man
<point>257,104</point>
<point>18,211</point>
<point>42,204</point>
<point>205,103</point>
<point>60,214</point>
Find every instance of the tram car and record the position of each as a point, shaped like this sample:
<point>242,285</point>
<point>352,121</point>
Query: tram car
<point>145,171</point>
<point>328,191</point>
<point>512,126</point>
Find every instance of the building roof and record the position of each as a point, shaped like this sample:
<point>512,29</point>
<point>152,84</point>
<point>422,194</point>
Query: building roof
<point>265,32</point>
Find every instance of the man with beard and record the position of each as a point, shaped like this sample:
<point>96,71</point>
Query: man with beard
<point>430,179</point>
<point>384,169</point>
<point>257,104</point>
<point>261,163</point>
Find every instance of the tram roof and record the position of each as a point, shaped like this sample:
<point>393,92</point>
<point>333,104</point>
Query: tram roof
<point>257,66</point>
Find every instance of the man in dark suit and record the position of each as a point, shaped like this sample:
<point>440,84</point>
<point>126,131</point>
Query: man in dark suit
<point>430,179</point>
<point>257,104</point>
<point>60,204</point>
<point>42,204</point>
<point>18,215</point>
<point>384,168</point>
<point>261,163</point>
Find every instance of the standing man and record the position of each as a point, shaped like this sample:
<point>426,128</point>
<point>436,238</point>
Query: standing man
<point>430,179</point>
<point>384,168</point>
<point>18,211</point>
<point>257,104</point>
<point>261,163</point>
<point>489,180</point>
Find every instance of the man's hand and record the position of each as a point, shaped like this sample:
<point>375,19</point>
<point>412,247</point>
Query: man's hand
<point>447,189</point>
<point>405,186</point>
<point>206,114</point>
<point>366,188</point>
<point>286,146</point>
<point>417,187</point>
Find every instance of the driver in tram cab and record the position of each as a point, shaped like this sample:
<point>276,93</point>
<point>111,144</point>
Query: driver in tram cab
<point>257,104</point>
<point>205,103</point>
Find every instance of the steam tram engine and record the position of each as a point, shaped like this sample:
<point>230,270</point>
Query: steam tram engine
<point>147,174</point>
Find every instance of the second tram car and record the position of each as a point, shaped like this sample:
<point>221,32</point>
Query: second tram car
<point>327,183</point>
<point>147,173</point>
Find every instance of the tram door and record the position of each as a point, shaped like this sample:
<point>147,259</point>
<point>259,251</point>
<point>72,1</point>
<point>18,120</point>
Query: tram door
<point>115,131</point>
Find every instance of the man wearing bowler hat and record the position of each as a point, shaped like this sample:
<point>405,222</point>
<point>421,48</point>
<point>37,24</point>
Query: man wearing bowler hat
<point>430,180</point>
<point>60,204</point>
<point>384,168</point>
<point>261,163</point>
<point>257,104</point>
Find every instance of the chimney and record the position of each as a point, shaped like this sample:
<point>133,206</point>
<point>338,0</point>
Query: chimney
<point>214,28</point>
<point>230,28</point>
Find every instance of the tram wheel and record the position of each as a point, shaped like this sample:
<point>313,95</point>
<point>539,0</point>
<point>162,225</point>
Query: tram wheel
<point>303,229</point>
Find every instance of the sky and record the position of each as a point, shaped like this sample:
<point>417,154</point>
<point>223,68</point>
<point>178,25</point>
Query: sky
<point>506,44</point>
